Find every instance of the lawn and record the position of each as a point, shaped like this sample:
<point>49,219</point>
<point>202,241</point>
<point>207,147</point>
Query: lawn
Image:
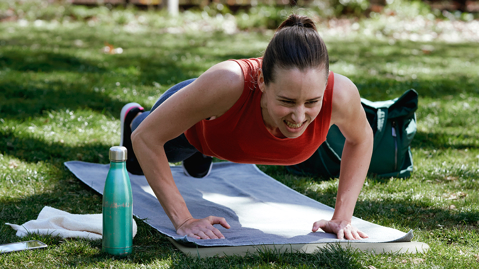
<point>60,98</point>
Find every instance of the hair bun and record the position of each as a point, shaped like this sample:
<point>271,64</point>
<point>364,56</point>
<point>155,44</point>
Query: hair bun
<point>299,21</point>
<point>295,44</point>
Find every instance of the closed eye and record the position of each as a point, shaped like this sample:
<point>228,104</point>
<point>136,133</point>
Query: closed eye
<point>293,102</point>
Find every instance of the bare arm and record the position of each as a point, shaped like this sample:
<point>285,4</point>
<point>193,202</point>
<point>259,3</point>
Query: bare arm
<point>350,117</point>
<point>211,95</point>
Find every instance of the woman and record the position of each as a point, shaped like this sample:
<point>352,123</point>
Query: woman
<point>272,110</point>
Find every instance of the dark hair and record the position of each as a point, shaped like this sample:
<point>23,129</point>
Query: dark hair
<point>296,43</point>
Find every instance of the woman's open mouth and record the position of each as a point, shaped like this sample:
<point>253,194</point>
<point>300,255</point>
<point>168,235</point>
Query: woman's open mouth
<point>294,125</point>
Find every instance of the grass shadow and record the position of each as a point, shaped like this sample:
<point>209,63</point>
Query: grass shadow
<point>382,71</point>
<point>48,62</point>
<point>33,150</point>
<point>443,141</point>
<point>22,101</point>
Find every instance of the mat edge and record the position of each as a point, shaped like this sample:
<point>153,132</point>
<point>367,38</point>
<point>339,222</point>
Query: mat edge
<point>412,247</point>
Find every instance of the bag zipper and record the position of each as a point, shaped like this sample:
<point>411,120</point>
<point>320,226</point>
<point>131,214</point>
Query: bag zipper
<point>395,146</point>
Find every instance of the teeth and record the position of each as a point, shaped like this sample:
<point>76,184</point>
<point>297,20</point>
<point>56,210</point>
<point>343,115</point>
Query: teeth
<point>291,125</point>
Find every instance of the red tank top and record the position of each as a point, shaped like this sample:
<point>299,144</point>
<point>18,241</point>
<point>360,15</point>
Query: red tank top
<point>240,136</point>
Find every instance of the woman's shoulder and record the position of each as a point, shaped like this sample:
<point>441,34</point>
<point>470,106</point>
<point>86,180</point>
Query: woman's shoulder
<point>344,89</point>
<point>217,89</point>
<point>229,79</point>
<point>345,97</point>
<point>227,68</point>
<point>226,75</point>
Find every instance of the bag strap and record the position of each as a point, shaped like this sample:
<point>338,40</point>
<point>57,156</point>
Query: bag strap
<point>332,156</point>
<point>382,115</point>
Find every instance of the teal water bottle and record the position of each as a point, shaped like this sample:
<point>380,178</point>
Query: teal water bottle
<point>117,206</point>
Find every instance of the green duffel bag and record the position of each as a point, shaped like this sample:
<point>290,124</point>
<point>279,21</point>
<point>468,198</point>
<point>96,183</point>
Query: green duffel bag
<point>394,126</point>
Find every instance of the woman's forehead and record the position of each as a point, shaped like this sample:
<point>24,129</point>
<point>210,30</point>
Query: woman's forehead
<point>293,82</point>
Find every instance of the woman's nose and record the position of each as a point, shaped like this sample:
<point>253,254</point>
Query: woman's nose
<point>299,114</point>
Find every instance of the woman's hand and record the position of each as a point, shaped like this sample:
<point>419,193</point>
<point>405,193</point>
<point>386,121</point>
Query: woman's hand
<point>203,228</point>
<point>342,229</point>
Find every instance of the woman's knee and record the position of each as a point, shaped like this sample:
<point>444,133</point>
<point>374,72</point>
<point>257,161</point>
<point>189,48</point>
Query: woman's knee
<point>138,119</point>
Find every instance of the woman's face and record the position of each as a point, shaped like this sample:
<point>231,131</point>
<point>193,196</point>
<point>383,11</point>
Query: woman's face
<point>292,101</point>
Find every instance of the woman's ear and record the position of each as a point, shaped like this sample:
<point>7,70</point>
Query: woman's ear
<point>260,81</point>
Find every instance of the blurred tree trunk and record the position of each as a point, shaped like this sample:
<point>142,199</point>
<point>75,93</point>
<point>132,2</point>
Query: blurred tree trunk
<point>173,7</point>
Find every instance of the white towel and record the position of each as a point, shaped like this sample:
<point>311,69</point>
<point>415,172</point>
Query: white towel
<point>60,223</point>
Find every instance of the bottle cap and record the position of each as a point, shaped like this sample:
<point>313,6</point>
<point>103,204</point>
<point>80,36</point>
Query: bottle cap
<point>118,154</point>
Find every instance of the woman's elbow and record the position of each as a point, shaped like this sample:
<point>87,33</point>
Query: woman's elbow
<point>144,140</point>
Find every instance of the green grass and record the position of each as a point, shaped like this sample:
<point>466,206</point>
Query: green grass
<point>60,98</point>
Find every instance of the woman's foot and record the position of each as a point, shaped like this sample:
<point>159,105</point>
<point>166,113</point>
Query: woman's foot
<point>198,165</point>
<point>128,113</point>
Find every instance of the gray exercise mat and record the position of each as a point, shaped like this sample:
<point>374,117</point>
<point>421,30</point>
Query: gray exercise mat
<point>259,209</point>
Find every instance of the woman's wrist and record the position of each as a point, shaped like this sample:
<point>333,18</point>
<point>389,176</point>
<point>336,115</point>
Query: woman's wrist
<point>343,210</point>
<point>183,223</point>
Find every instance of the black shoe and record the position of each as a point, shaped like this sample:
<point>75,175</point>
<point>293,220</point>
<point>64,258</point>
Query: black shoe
<point>128,113</point>
<point>198,165</point>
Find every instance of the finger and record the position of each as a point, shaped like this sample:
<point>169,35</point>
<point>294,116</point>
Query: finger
<point>211,235</point>
<point>218,233</point>
<point>193,235</point>
<point>221,221</point>
<point>202,235</point>
<point>340,234</point>
<point>355,235</point>
<point>323,224</point>
<point>363,235</point>
<point>348,235</point>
